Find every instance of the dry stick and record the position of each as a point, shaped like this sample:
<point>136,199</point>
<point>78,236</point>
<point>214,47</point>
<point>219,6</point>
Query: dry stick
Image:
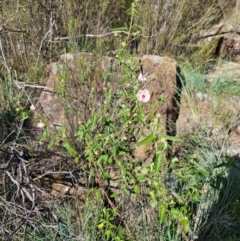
<point>21,85</point>
<point>106,34</point>
<point>19,214</point>
<point>14,181</point>
<point>120,215</point>
<point>9,161</point>
<point>41,45</point>
<point>47,173</point>
<point>19,226</point>
<point>182,231</point>
<point>19,189</point>
<point>4,58</point>
<point>3,142</point>
<point>20,208</point>
<point>184,234</point>
<point>33,198</point>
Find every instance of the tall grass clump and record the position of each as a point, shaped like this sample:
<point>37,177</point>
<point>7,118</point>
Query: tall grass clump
<point>36,33</point>
<point>174,26</point>
<point>29,40</point>
<point>12,110</point>
<point>215,216</point>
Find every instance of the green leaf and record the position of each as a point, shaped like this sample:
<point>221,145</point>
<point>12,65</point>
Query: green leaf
<point>141,177</point>
<point>76,160</point>
<point>106,175</point>
<point>145,171</point>
<point>119,232</point>
<point>120,29</point>
<point>147,139</point>
<point>223,164</point>
<point>94,121</point>
<point>122,153</point>
<point>24,116</point>
<point>162,212</point>
<point>91,174</point>
<point>154,199</point>
<point>136,189</point>
<point>219,182</point>
<point>140,119</point>
<point>88,137</point>
<point>180,200</point>
<point>109,160</point>
<point>113,195</point>
<point>179,175</point>
<point>195,198</point>
<point>52,142</point>
<point>185,223</point>
<point>171,138</point>
<point>140,114</point>
<point>125,191</point>
<point>174,213</point>
<point>158,162</point>
<point>109,233</point>
<point>70,150</point>
<point>204,172</point>
<point>103,158</point>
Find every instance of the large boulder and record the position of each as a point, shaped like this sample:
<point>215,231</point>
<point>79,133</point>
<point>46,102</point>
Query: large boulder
<point>164,86</point>
<point>223,41</point>
<point>71,81</point>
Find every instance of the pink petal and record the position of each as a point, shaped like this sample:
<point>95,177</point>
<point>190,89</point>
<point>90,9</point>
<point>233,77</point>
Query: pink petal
<point>141,77</point>
<point>33,107</point>
<point>143,95</point>
<point>40,125</point>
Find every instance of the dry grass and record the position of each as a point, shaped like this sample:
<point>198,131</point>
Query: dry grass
<point>30,31</point>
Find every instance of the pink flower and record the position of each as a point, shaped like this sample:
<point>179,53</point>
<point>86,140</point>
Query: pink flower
<point>143,95</point>
<point>33,107</point>
<point>40,125</point>
<point>141,77</point>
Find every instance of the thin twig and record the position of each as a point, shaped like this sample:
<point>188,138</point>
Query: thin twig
<point>184,234</point>
<point>41,45</point>
<point>21,85</point>
<point>51,173</point>
<point>106,34</point>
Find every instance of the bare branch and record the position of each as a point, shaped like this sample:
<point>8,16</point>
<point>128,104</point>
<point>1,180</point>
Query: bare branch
<point>106,34</point>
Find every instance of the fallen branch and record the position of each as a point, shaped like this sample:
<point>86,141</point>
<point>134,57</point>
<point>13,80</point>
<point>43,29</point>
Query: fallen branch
<point>107,34</point>
<point>21,85</point>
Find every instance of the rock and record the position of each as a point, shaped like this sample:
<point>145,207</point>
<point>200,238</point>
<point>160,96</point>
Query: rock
<point>229,48</point>
<point>72,79</point>
<point>59,190</point>
<point>227,44</point>
<point>228,70</point>
<point>164,86</point>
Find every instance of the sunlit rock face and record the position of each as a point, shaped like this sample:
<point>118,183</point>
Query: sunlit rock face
<point>223,40</point>
<point>164,85</point>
